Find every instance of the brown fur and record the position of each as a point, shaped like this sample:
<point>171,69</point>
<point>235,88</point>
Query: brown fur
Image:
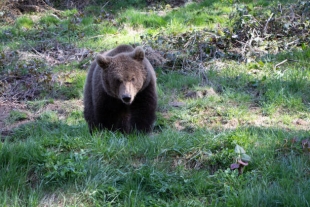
<point>120,91</point>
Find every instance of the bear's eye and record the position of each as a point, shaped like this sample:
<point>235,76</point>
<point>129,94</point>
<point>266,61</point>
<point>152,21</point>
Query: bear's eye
<point>133,80</point>
<point>118,81</point>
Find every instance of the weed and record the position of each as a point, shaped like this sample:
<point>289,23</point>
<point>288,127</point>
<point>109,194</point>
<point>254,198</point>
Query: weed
<point>73,86</point>
<point>24,23</point>
<point>38,104</point>
<point>58,168</point>
<point>50,20</point>
<point>136,18</point>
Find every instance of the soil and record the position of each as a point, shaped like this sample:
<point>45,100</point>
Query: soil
<point>215,120</point>
<point>5,110</point>
<point>61,107</point>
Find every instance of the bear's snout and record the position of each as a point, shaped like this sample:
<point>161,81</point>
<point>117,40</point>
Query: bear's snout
<point>126,93</point>
<point>126,99</point>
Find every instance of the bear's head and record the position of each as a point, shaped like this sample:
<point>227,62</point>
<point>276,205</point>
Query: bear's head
<point>123,75</point>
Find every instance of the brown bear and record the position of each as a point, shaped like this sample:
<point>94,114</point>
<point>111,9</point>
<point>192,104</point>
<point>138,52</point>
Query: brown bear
<point>120,91</point>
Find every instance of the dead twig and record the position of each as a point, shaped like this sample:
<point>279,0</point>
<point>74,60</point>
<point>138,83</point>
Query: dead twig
<point>105,5</point>
<point>267,22</point>
<point>280,63</point>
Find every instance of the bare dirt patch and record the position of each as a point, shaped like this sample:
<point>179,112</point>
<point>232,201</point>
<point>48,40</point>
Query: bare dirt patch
<point>5,110</point>
<point>29,72</point>
<point>216,118</point>
<point>62,108</point>
<point>12,9</point>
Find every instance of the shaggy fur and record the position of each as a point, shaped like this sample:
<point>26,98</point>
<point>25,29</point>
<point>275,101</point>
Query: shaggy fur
<point>120,91</point>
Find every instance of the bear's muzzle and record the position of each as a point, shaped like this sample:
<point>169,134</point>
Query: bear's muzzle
<point>127,93</point>
<point>126,99</point>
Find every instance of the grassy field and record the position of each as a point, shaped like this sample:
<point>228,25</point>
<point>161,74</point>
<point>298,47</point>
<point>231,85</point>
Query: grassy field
<point>48,158</point>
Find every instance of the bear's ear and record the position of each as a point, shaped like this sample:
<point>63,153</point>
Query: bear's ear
<point>138,53</point>
<point>103,61</point>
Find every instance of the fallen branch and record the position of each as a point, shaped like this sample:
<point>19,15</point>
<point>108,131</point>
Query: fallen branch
<point>280,63</point>
<point>267,22</point>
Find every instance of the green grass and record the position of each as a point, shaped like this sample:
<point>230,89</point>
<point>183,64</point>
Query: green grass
<point>49,20</point>
<point>73,87</point>
<point>137,170</point>
<point>24,23</point>
<point>53,161</point>
<point>16,116</point>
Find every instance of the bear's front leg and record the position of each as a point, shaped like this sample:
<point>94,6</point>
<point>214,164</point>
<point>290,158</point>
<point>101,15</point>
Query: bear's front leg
<point>143,112</point>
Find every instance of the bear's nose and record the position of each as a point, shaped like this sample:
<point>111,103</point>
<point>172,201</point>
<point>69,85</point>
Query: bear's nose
<point>126,98</point>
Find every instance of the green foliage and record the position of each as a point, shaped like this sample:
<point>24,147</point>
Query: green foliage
<point>24,22</point>
<point>38,104</point>
<point>16,116</point>
<point>136,18</point>
<point>176,80</point>
<point>50,20</point>
<point>69,13</point>
<point>119,4</point>
<point>87,21</point>
<point>57,168</point>
<point>73,88</point>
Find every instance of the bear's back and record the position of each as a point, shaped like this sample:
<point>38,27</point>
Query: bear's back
<point>118,50</point>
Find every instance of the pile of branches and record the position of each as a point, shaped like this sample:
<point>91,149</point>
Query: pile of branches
<point>254,33</point>
<point>39,5</point>
<point>30,72</point>
<point>10,10</point>
<point>24,81</point>
<point>279,27</point>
